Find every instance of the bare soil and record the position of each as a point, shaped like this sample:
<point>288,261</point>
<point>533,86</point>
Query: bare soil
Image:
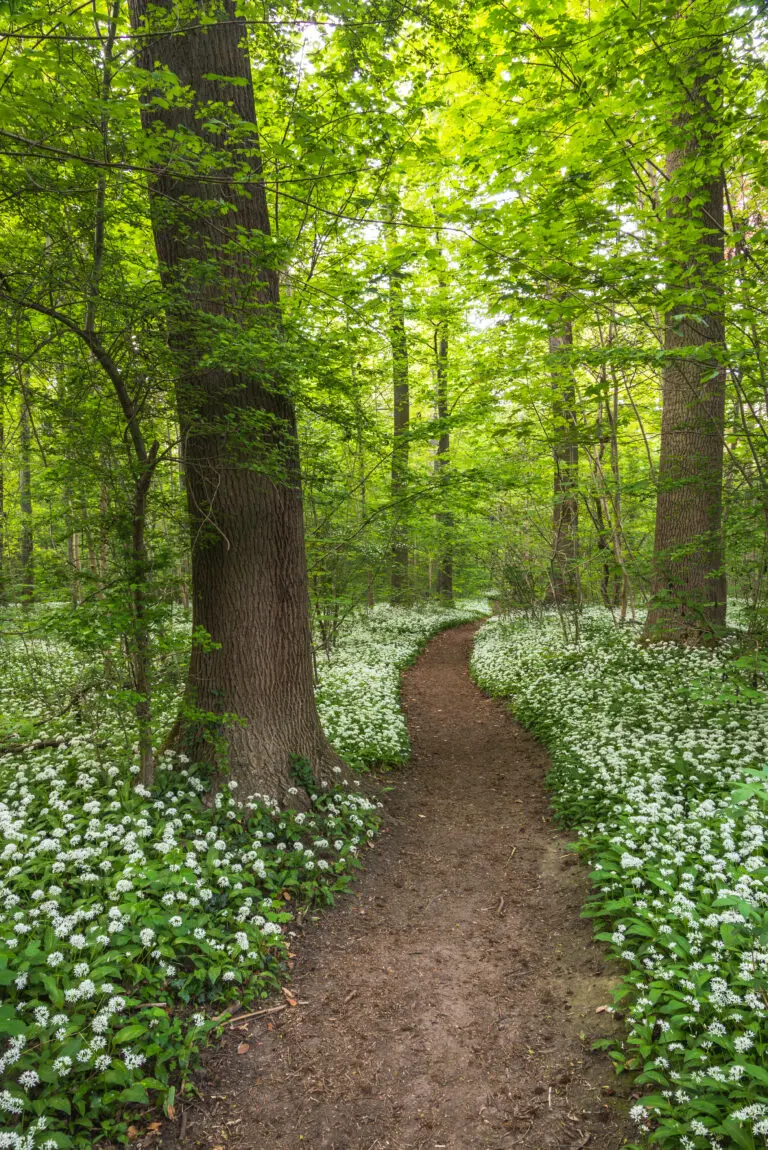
<point>452,999</point>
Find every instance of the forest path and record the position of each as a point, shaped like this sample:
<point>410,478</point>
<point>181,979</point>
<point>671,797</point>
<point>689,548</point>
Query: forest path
<point>452,1000</point>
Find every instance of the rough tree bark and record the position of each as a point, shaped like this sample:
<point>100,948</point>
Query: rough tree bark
<point>237,422</point>
<point>398,580</point>
<point>565,583</point>
<point>689,588</point>
<point>442,459</point>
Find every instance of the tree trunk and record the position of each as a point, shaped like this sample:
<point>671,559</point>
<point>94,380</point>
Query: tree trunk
<point>565,584</point>
<point>26,548</point>
<point>621,578</point>
<point>603,547</point>
<point>140,650</point>
<point>400,447</point>
<point>444,516</point>
<point>73,560</point>
<point>2,496</point>
<point>250,697</point>
<point>100,566</point>
<point>689,590</point>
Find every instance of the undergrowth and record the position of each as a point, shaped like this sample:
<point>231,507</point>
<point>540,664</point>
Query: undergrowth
<point>130,918</point>
<point>658,760</point>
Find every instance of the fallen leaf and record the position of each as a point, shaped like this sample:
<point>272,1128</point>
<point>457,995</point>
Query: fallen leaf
<point>243,1048</point>
<point>132,1133</point>
<point>153,1126</point>
<point>286,894</point>
<point>289,995</point>
<point>271,1027</point>
<point>602,1009</point>
<point>171,1112</point>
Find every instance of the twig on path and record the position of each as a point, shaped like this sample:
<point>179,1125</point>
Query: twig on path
<point>510,857</point>
<point>352,994</point>
<point>500,907</point>
<point>253,1014</point>
<point>549,1099</point>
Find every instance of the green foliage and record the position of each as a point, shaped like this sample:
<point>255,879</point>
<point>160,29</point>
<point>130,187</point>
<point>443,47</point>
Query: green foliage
<point>132,917</point>
<point>509,166</point>
<point>145,912</point>
<point>665,782</point>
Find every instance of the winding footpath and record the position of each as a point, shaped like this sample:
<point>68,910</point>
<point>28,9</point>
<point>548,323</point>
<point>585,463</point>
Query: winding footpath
<point>452,999</point>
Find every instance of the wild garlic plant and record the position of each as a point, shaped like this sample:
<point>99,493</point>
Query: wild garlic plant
<point>130,917</point>
<point>359,689</point>
<point>661,771</point>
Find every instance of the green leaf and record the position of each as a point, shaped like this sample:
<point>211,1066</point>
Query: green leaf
<point>128,1033</point>
<point>135,1093</point>
<point>737,1134</point>
<point>58,1102</point>
<point>756,1072</point>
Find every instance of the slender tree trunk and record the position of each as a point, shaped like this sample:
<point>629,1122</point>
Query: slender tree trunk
<point>565,585</point>
<point>73,559</point>
<point>620,575</point>
<point>603,541</point>
<point>3,583</point>
<point>141,657</point>
<point>237,423</point>
<point>26,549</point>
<point>103,561</point>
<point>182,563</point>
<point>689,590</point>
<point>442,459</point>
<point>400,445</point>
<point>363,486</point>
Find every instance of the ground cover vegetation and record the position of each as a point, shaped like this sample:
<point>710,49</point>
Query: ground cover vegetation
<point>658,760</point>
<point>131,917</point>
<point>312,321</point>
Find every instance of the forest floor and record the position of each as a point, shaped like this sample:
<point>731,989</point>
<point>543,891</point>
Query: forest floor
<point>452,999</point>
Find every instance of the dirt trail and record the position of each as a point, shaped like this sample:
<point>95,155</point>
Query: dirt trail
<point>451,1001</point>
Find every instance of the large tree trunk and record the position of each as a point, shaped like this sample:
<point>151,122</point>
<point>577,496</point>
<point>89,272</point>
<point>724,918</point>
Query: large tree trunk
<point>400,446</point>
<point>688,593</point>
<point>442,459</point>
<point>237,423</point>
<point>564,580</point>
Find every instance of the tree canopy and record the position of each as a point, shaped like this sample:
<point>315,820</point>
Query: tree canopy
<point>482,282</point>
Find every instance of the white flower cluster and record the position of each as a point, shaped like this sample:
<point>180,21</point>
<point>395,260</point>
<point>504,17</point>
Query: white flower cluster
<point>359,692</point>
<point>657,766</point>
<point>114,896</point>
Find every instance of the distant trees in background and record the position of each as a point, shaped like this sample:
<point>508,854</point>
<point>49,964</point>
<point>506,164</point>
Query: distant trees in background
<point>480,301</point>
